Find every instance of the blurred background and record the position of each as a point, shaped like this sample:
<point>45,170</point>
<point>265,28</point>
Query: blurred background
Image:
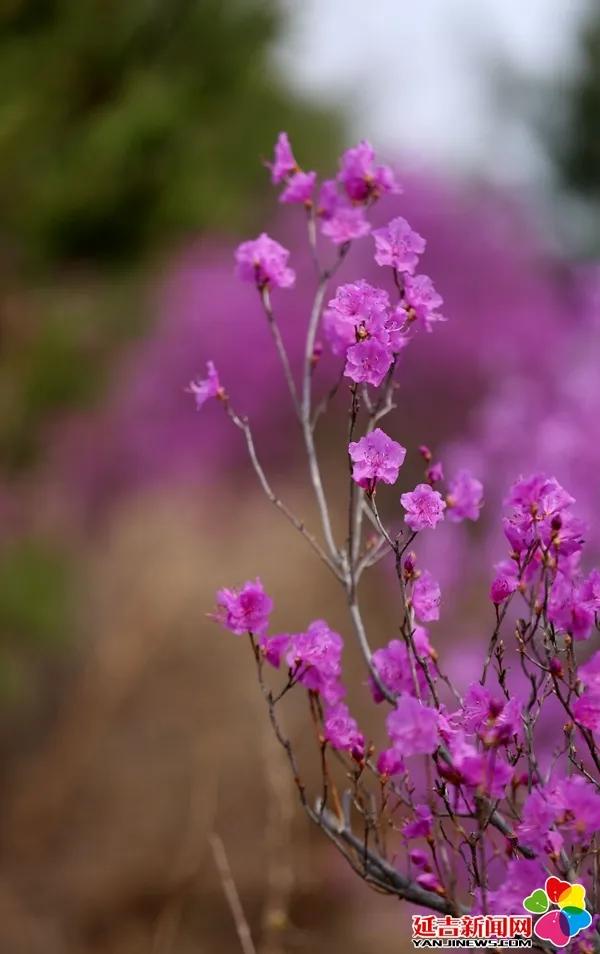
<point>131,140</point>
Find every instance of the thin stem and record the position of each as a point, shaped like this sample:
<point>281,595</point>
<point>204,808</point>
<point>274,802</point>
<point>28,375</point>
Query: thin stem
<point>244,427</point>
<point>231,893</point>
<point>305,416</point>
<point>281,349</point>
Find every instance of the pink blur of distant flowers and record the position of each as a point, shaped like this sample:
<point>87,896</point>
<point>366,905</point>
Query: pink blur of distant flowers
<point>512,379</point>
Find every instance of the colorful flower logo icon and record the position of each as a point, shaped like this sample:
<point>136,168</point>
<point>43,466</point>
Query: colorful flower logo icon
<point>561,923</point>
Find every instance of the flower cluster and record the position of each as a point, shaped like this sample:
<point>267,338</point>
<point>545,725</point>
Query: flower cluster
<point>264,262</point>
<point>464,769</point>
<point>362,323</point>
<point>542,530</point>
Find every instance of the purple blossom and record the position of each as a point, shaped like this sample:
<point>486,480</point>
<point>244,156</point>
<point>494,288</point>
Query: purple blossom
<point>587,707</point>
<point>569,609</point>
<point>398,246</point>
<point>537,817</point>
<point>264,262</point>
<point>477,707</point>
<point>376,457</point>
<point>412,727</point>
<point>342,732</point>
<point>570,804</point>
<point>329,199</point>
<point>345,225</point>
<point>494,719</point>
<point>435,473</point>
<point>578,807</point>
<point>367,362</point>
<point>274,647</point>
<point>283,164</point>
<point>589,672</point>
<point>359,310</point>
<point>316,657</point>
<point>392,665</point>
<point>430,881</point>
<point>390,763</point>
<point>299,188</point>
<point>539,494</point>
<point>485,772</point>
<point>362,178</point>
<point>396,328</point>
<point>421,299</point>
<point>591,589</point>
<point>426,596</point>
<point>464,498</point>
<point>420,827</point>
<point>517,880</point>
<point>424,507</point>
<point>245,610</point>
<point>208,387</point>
<point>504,725</point>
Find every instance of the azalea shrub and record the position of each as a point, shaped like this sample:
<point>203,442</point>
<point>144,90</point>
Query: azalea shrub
<point>472,795</point>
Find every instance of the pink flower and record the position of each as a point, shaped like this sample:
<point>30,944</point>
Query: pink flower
<point>273,647</point>
<point>435,473</point>
<point>376,457</point>
<point>396,328</point>
<point>412,727</point>
<point>208,387</point>
<point>494,719</point>
<point>587,707</point>
<point>422,300</point>
<point>362,178</point>
<point>426,596</point>
<point>345,225</point>
<point>577,806</point>
<point>420,827</point>
<point>569,609</point>
<point>358,310</point>
<point>424,507</point>
<point>329,199</point>
<point>264,262</point>
<point>398,245</point>
<point>520,874</point>
<point>570,804</point>
<point>316,656</point>
<point>341,731</point>
<point>299,188</point>
<point>590,589</point>
<point>368,362</point>
<point>389,763</point>
<point>464,499</point>
<point>246,610</point>
<point>537,817</point>
<point>483,771</point>
<point>392,665</point>
<point>539,494</point>
<point>283,163</point>
<point>589,673</point>
<point>430,881</point>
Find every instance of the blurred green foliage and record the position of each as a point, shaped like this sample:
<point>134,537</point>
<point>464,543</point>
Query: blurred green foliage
<point>36,610</point>
<point>577,150</point>
<point>123,127</point>
<point>123,124</point>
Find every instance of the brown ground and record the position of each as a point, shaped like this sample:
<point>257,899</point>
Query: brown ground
<point>160,737</point>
